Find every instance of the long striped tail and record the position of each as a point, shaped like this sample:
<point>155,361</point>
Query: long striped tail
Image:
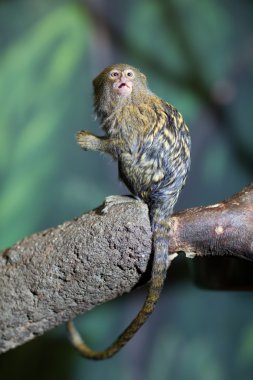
<point>161,262</point>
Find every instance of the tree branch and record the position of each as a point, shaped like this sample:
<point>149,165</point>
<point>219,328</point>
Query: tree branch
<point>51,276</point>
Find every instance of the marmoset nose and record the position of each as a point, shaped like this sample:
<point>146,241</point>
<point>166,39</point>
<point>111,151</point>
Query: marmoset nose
<point>123,76</point>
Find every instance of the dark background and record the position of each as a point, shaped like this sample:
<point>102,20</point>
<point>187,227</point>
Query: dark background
<point>197,55</point>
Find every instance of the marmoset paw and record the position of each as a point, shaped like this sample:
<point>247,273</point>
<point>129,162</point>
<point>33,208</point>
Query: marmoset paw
<point>85,139</point>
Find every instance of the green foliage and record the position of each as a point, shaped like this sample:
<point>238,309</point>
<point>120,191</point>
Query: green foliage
<point>45,97</point>
<point>198,362</point>
<point>245,352</point>
<point>216,162</point>
<point>36,71</point>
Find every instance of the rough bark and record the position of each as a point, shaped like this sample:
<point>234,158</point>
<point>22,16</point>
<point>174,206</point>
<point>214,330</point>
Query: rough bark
<point>54,275</point>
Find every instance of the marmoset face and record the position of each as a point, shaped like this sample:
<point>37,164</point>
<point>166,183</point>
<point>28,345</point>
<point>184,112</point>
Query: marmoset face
<point>122,81</point>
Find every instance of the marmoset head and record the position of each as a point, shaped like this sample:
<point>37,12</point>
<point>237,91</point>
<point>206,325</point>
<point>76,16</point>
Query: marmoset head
<point>117,83</point>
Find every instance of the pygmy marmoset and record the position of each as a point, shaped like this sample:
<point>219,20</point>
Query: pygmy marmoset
<point>151,142</point>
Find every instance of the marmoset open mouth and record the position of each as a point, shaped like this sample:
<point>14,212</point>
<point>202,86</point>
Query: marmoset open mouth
<point>122,85</point>
<point>123,88</point>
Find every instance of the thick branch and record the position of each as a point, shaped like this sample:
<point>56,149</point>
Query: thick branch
<point>49,277</point>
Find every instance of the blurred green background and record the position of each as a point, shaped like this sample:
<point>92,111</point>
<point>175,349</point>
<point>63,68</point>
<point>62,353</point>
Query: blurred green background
<point>198,55</point>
